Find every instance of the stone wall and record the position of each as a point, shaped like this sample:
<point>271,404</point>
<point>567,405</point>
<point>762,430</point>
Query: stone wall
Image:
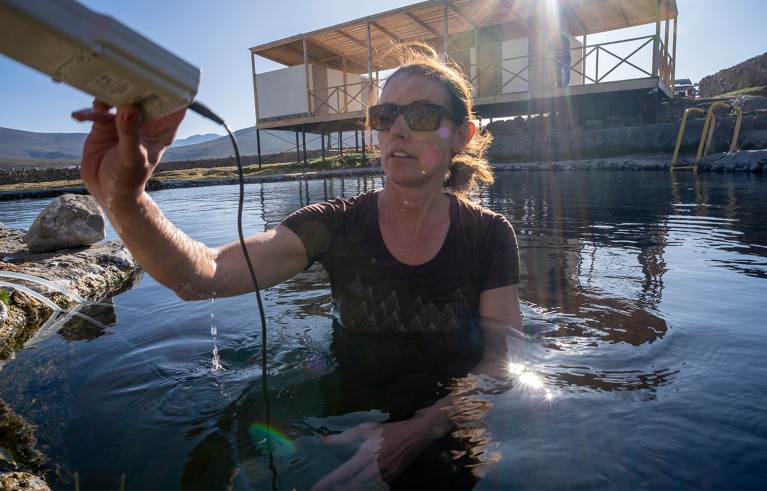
<point>53,174</point>
<point>560,136</point>
<point>16,176</point>
<point>750,73</point>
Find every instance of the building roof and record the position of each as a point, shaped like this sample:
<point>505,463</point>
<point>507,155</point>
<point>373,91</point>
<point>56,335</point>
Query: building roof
<point>346,45</point>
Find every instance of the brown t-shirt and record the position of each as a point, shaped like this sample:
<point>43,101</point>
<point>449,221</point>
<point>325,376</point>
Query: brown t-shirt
<point>375,293</point>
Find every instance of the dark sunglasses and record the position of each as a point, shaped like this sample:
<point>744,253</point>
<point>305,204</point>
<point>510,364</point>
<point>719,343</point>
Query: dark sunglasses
<point>419,116</point>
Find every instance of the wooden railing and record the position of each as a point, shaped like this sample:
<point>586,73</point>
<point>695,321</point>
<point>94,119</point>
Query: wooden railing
<point>591,64</point>
<point>596,64</point>
<point>641,67</point>
<point>337,99</point>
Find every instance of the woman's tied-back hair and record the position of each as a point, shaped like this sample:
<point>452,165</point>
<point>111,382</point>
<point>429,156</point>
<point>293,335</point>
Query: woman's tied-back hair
<point>469,169</point>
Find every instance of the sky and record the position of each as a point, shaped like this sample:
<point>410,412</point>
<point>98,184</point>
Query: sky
<point>216,36</point>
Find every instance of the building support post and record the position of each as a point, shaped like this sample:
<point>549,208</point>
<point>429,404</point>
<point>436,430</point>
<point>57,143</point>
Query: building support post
<point>298,149</point>
<point>666,62</point>
<point>322,146</point>
<point>303,136</point>
<point>346,89</point>
<point>471,76</point>
<point>306,76</point>
<point>656,41</point>
<point>672,75</point>
<point>258,147</point>
<point>444,30</point>
<point>583,57</point>
<point>255,98</point>
<point>370,62</point>
<point>255,86</point>
<point>364,155</point>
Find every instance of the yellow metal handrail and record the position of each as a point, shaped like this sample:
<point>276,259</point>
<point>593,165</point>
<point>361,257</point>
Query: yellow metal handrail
<point>681,132</point>
<point>711,119</point>
<point>707,134</point>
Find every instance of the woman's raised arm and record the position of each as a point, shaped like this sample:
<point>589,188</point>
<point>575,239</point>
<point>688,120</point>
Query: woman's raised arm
<point>119,156</point>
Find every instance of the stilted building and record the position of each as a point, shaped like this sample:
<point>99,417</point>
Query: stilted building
<point>503,46</point>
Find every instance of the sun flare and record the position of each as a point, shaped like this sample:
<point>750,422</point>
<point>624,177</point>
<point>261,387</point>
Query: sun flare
<point>529,379</point>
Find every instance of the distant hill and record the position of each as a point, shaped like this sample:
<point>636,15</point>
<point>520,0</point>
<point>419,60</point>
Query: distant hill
<point>26,145</point>
<point>271,142</point>
<point>194,139</point>
<point>19,147</point>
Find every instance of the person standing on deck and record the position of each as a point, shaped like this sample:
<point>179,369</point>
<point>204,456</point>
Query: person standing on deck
<point>559,47</point>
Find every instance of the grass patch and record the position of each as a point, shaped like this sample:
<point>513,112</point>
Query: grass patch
<point>23,186</point>
<point>5,297</point>
<point>754,91</point>
<point>346,161</point>
<point>32,163</point>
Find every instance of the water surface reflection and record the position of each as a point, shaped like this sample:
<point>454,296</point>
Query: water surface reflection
<point>643,290</point>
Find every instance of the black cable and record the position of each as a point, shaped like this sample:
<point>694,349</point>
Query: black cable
<point>206,112</point>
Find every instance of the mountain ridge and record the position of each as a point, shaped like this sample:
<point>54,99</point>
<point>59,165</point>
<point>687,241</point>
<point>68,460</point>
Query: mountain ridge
<point>194,139</point>
<point>19,148</point>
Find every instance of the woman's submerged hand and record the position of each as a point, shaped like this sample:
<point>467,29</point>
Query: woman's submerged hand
<point>121,151</point>
<point>384,452</point>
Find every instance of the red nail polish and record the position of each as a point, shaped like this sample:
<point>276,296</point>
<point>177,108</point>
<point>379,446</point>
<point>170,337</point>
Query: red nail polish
<point>129,117</point>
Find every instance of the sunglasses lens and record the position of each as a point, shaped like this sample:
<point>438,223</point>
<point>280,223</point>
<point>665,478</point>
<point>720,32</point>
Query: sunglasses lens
<point>418,116</point>
<point>382,116</point>
<point>423,117</point>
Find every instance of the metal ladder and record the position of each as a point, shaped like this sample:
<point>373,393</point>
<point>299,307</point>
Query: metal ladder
<point>706,135</point>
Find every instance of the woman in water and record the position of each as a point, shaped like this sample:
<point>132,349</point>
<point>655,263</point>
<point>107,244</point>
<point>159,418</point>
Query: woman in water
<point>419,274</point>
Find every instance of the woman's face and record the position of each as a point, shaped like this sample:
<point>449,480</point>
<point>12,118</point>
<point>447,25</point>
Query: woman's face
<point>413,158</point>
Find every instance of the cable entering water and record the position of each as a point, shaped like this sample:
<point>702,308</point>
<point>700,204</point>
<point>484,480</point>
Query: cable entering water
<point>208,113</point>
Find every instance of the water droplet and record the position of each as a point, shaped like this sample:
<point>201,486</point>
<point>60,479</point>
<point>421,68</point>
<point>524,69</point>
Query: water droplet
<point>215,364</point>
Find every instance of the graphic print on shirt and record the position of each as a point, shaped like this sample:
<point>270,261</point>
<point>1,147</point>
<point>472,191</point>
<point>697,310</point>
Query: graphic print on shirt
<point>387,316</point>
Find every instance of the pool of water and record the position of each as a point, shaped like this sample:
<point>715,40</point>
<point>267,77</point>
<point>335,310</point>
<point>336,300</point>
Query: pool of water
<point>644,292</point>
